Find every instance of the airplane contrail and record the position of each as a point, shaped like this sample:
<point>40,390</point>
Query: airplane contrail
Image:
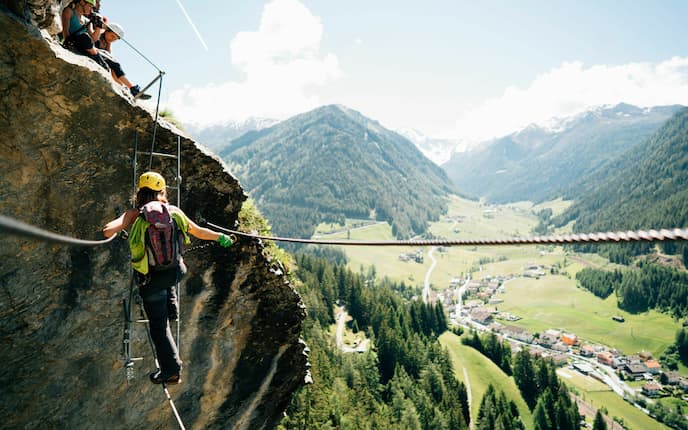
<point>188,18</point>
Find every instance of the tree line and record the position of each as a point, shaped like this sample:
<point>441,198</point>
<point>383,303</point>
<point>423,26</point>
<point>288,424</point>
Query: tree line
<point>491,347</point>
<point>545,395</point>
<point>538,383</point>
<point>646,286</point>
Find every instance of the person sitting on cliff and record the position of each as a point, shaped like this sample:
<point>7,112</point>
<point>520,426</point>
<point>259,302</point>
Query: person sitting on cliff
<point>78,35</point>
<point>112,33</point>
<point>157,287</point>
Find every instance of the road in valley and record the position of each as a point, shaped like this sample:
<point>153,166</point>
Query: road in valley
<point>426,285</point>
<point>341,316</point>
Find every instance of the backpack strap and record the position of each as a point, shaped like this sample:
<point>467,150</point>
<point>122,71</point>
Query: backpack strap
<point>137,245</point>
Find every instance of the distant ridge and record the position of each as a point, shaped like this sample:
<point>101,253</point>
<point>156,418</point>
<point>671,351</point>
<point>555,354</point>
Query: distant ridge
<point>646,187</point>
<point>539,162</point>
<point>333,163</point>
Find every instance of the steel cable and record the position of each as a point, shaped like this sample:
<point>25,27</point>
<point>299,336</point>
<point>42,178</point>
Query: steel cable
<point>621,236</point>
<point>18,228</point>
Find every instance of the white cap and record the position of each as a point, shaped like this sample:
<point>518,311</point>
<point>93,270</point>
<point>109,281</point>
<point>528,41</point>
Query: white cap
<point>116,28</point>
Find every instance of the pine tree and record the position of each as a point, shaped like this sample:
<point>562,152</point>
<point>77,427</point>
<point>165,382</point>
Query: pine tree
<point>540,419</point>
<point>524,375</point>
<point>599,423</point>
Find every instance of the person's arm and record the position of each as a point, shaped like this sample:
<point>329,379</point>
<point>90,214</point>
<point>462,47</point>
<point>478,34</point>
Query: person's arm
<point>207,234</point>
<point>66,16</point>
<point>96,33</point>
<point>202,233</point>
<point>123,221</point>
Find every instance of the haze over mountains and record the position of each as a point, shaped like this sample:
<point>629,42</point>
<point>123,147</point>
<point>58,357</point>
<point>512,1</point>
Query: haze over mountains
<point>333,163</point>
<point>538,162</point>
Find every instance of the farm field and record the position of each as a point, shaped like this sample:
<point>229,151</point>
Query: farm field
<point>465,219</point>
<point>554,302</point>
<point>481,373</point>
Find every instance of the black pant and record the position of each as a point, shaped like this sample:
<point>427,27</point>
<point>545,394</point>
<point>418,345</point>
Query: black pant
<point>157,297</point>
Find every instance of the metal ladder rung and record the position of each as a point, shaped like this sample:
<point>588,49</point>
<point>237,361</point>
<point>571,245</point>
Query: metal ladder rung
<point>141,321</point>
<point>157,154</point>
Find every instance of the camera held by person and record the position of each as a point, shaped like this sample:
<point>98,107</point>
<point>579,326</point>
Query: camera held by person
<point>97,20</point>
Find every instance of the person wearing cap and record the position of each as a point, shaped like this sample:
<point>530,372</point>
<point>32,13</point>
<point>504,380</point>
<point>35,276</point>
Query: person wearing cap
<point>112,33</point>
<point>157,288</point>
<point>78,35</point>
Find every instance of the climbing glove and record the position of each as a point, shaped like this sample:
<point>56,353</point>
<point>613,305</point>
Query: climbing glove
<point>224,241</point>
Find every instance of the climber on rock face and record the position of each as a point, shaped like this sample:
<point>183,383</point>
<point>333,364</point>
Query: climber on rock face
<point>113,32</point>
<point>157,233</point>
<point>80,36</point>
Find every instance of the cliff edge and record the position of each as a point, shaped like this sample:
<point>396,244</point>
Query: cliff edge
<point>66,151</point>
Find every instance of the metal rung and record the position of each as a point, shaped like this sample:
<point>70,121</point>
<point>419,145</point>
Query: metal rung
<point>136,359</point>
<point>157,154</point>
<point>141,321</point>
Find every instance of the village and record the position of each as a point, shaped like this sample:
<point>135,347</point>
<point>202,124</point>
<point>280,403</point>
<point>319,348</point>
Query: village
<point>474,304</point>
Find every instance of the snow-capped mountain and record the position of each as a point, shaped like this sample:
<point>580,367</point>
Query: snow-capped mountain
<point>217,136</point>
<point>539,161</point>
<point>438,150</point>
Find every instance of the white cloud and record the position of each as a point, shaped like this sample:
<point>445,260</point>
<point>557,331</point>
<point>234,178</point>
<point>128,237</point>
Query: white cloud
<point>571,88</point>
<point>281,65</point>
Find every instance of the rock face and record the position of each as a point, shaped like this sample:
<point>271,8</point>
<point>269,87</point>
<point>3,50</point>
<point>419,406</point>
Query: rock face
<point>66,150</point>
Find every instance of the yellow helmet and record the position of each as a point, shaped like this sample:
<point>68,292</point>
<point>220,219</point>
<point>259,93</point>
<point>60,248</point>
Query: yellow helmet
<point>152,180</point>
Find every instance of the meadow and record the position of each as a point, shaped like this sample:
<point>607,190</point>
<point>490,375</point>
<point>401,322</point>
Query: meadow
<point>481,373</point>
<point>553,301</point>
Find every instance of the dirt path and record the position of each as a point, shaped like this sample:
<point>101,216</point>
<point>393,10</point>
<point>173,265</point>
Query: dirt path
<point>469,395</point>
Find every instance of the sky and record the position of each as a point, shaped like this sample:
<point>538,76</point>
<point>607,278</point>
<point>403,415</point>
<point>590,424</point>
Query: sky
<point>468,70</point>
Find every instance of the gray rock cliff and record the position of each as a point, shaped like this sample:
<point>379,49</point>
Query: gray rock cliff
<point>66,149</point>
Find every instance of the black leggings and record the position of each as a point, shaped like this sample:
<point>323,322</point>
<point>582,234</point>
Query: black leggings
<point>81,43</point>
<point>160,304</point>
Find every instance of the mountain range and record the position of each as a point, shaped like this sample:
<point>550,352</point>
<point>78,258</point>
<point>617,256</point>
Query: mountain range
<point>333,163</point>
<point>643,188</point>
<point>539,162</point>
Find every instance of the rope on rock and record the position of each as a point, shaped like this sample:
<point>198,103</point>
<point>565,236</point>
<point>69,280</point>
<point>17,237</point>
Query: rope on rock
<point>621,236</point>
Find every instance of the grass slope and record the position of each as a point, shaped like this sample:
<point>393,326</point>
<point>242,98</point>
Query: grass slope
<point>481,373</point>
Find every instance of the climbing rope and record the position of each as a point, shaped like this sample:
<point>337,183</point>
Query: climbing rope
<point>621,236</point>
<point>13,226</point>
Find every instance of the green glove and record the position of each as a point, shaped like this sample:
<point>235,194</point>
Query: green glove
<point>224,241</point>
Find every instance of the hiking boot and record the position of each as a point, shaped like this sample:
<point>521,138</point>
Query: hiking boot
<point>136,92</point>
<point>158,377</point>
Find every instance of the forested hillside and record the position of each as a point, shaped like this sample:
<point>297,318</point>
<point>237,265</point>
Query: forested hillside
<point>407,382</point>
<point>644,188</point>
<point>333,163</point>
<point>538,163</point>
